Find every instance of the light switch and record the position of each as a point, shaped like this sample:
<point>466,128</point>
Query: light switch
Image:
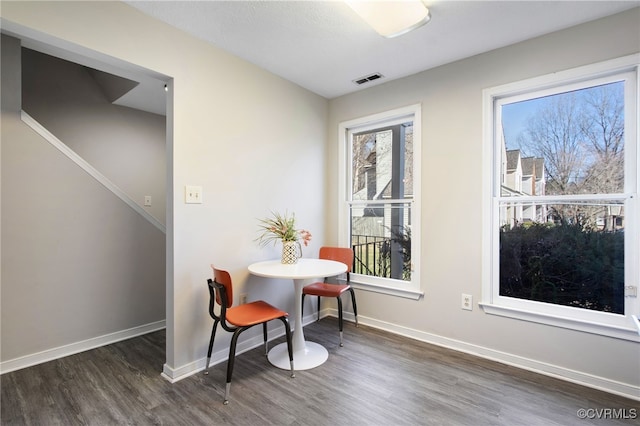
<point>193,194</point>
<point>147,200</point>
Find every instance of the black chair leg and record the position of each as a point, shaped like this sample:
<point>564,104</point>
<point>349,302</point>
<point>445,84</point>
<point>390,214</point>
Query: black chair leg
<point>230,362</point>
<point>340,318</point>
<point>353,303</point>
<point>213,336</point>
<point>287,329</point>
<point>302,309</point>
<point>264,333</point>
<point>318,308</point>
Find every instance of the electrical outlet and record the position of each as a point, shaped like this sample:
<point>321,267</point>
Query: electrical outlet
<point>243,298</point>
<point>467,302</point>
<point>147,200</point>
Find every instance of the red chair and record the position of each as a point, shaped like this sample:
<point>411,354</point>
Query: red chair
<point>238,319</point>
<point>333,289</point>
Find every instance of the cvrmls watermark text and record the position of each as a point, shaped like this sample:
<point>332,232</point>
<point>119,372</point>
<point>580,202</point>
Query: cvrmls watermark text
<point>607,413</point>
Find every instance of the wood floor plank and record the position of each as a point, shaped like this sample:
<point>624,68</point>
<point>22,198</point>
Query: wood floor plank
<point>377,378</point>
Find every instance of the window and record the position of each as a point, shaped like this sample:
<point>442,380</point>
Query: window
<point>562,156</point>
<point>379,212</point>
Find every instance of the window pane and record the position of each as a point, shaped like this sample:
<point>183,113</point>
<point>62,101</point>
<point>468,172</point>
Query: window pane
<point>573,257</point>
<point>381,239</point>
<point>382,175</point>
<point>567,143</point>
<point>569,251</point>
<point>382,163</point>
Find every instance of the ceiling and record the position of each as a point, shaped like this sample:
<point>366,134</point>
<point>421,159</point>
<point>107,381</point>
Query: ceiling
<point>324,46</point>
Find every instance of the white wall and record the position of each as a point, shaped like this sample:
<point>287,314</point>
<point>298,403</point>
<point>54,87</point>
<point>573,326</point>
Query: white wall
<point>451,98</point>
<point>253,141</point>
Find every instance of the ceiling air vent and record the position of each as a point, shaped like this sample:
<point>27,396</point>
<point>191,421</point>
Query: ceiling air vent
<point>372,77</point>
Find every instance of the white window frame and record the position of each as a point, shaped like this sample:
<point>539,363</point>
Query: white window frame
<point>603,323</point>
<point>408,289</point>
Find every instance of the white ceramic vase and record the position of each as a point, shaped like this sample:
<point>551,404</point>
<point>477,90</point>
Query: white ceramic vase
<point>291,252</point>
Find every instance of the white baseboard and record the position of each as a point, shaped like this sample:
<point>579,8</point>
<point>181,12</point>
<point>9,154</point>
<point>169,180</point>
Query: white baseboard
<point>74,348</point>
<point>174,375</point>
<point>573,376</point>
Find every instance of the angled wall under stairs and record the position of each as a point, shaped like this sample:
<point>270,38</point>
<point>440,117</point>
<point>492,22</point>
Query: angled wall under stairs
<point>80,267</point>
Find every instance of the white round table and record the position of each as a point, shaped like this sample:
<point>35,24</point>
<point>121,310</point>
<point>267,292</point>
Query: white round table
<point>306,354</point>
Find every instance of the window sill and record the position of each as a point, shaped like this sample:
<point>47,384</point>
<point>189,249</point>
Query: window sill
<point>563,322</point>
<point>391,291</point>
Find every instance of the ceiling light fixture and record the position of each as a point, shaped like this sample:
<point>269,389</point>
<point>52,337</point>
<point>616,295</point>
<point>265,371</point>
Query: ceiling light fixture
<point>392,18</point>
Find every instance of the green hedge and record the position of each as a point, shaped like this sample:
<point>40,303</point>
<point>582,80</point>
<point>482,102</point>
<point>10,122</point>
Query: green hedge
<point>563,264</point>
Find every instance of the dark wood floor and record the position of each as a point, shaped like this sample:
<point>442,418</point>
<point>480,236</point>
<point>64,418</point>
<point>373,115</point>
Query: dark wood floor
<point>377,378</point>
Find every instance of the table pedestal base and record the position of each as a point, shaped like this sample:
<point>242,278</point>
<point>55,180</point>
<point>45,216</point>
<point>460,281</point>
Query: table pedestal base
<point>312,355</point>
<point>306,355</point>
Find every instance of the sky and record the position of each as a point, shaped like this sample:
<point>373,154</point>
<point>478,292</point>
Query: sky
<point>515,117</point>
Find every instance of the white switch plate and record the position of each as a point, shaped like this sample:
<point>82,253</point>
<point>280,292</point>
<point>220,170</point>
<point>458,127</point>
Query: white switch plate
<point>193,194</point>
<point>147,200</point>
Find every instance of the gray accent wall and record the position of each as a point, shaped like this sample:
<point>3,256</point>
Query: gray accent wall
<point>127,145</point>
<point>77,262</point>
